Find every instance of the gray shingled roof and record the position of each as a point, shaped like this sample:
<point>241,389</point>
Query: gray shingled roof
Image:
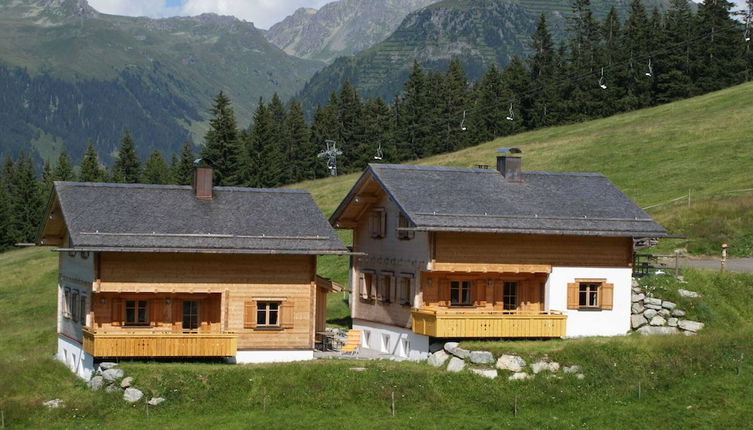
<point>168,218</point>
<point>458,199</point>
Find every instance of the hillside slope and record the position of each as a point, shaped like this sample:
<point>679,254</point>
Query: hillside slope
<point>700,145</point>
<point>343,27</point>
<point>478,32</point>
<point>69,73</point>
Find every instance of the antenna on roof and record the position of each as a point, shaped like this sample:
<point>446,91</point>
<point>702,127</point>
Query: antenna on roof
<point>331,154</point>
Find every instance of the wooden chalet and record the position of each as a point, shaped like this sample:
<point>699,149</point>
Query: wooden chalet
<point>479,253</point>
<point>181,271</point>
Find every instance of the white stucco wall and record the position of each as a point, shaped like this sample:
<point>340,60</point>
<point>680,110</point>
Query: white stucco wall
<point>396,341</point>
<point>272,356</point>
<point>77,274</point>
<point>72,354</point>
<point>592,323</point>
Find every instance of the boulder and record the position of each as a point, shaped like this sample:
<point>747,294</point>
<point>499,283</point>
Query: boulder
<point>687,293</point>
<point>637,321</point>
<point>519,376</point>
<point>482,357</point>
<point>438,358</point>
<point>126,382</point>
<point>636,290</point>
<point>668,305</point>
<point>96,383</point>
<point>653,330</point>
<point>689,333</point>
<point>542,365</point>
<point>511,362</point>
<point>689,325</point>
<point>635,283</point>
<point>112,375</point>
<point>637,308</point>
<point>54,404</point>
<point>664,313</point>
<point>650,313</point>
<point>580,376</point>
<point>658,321</point>
<point>435,346</point>
<point>571,369</point>
<point>672,322</point>
<point>106,365</point>
<point>678,313</point>
<point>654,307</point>
<point>132,395</point>
<point>112,388</point>
<point>486,373</point>
<point>652,301</point>
<point>456,364</point>
<point>154,401</point>
<point>454,349</point>
<point>638,297</point>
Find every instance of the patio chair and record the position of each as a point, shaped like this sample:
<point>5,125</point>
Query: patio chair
<point>352,343</point>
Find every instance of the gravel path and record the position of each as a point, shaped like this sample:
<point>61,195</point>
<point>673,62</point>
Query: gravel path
<point>744,265</point>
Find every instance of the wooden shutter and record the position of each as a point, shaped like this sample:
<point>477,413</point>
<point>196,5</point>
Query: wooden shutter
<point>444,291</point>
<point>606,296</point>
<point>364,291</point>
<point>249,314</point>
<point>429,292</point>
<point>287,315</point>
<point>412,292</point>
<point>378,286</point>
<point>479,295</point>
<point>393,290</point>
<point>572,295</point>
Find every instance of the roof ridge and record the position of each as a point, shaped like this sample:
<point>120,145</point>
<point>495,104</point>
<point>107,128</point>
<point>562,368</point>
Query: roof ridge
<point>178,187</point>
<point>474,170</point>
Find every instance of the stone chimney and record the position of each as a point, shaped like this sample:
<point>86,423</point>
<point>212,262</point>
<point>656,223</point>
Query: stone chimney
<point>202,181</point>
<point>509,164</point>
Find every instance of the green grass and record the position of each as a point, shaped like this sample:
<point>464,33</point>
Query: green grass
<point>697,382</point>
<point>700,145</point>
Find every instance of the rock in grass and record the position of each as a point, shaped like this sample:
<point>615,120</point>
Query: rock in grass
<point>664,313</point>
<point>652,330</point>
<point>652,301</point>
<point>511,362</point>
<point>571,369</point>
<point>658,321</point>
<point>638,297</point>
<point>126,382</point>
<point>687,293</point>
<point>542,365</point>
<point>112,388</point>
<point>678,313</point>
<point>672,322</point>
<point>132,395</point>
<point>668,305</point>
<point>653,307</point>
<point>454,349</point>
<point>650,313</point>
<point>635,283</point>
<point>519,376</point>
<point>112,375</point>
<point>486,373</point>
<point>54,404</point>
<point>580,376</point>
<point>456,364</point>
<point>689,325</point>
<point>107,365</point>
<point>96,383</point>
<point>438,358</point>
<point>154,401</point>
<point>637,321</point>
<point>482,357</point>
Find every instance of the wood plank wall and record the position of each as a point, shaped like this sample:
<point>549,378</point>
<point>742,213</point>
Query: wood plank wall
<point>436,289</point>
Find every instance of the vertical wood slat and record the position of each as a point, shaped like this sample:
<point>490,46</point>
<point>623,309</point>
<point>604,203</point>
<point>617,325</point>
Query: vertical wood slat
<point>287,315</point>
<point>249,314</point>
<point>488,325</point>
<point>572,295</point>
<point>607,296</point>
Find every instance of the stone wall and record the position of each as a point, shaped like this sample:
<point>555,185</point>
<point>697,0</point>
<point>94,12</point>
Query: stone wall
<point>654,315</point>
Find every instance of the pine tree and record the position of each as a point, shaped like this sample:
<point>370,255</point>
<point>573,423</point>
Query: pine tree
<point>718,63</point>
<point>586,98</point>
<point>636,43</point>
<point>222,147</point>
<point>413,121</point>
<point>376,126</point>
<point>5,214</point>
<point>300,155</point>
<point>26,202</point>
<point>488,117</point>
<point>63,169</point>
<point>183,169</point>
<point>453,103</point>
<point>156,170</point>
<point>349,111</point>
<point>543,75</point>
<point>48,176</point>
<point>127,168</point>
<point>672,68</point>
<point>263,160</point>
<point>277,115</point>
<point>516,79</point>
<point>91,171</point>
<point>324,127</point>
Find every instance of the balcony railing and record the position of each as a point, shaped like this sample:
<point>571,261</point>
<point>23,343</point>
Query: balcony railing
<point>156,344</point>
<point>448,322</point>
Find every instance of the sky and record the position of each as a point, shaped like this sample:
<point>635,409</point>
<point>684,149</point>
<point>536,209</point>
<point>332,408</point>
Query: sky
<point>263,13</point>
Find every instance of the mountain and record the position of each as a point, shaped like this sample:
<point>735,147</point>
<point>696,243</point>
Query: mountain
<point>343,27</point>
<point>478,32</point>
<point>69,73</point>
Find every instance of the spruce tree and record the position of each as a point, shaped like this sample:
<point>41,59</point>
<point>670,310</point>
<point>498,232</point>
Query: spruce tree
<point>324,127</point>
<point>413,136</point>
<point>488,117</point>
<point>349,111</point>
<point>222,146</point>
<point>299,154</point>
<point>26,202</point>
<point>48,176</point>
<point>183,169</point>
<point>586,98</point>
<point>90,170</point>
<point>376,127</point>
<point>541,64</point>
<point>5,214</point>
<point>452,103</point>
<point>516,79</point>
<point>277,115</point>
<point>263,160</point>
<point>636,42</point>
<point>63,168</point>
<point>719,60</point>
<point>156,170</point>
<point>672,68</point>
<point>127,168</point>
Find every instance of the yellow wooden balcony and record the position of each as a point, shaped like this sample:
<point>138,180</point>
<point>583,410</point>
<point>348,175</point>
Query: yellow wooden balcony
<point>155,344</point>
<point>448,322</point>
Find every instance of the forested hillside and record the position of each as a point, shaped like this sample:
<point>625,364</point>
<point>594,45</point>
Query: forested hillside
<point>69,74</point>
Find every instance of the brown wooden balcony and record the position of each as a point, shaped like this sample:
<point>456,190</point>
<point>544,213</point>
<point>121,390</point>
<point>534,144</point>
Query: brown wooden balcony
<point>449,322</point>
<point>159,344</point>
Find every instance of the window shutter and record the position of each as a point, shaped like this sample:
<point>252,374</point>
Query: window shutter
<point>572,295</point>
<point>287,315</point>
<point>480,294</point>
<point>393,290</point>
<point>606,296</point>
<point>412,292</point>
<point>249,314</point>
<point>444,291</point>
<point>364,291</point>
<point>383,225</point>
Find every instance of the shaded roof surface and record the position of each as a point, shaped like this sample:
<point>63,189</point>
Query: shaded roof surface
<point>167,217</point>
<point>459,199</point>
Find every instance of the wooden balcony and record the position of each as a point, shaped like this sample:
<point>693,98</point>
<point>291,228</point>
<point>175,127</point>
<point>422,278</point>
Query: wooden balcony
<point>155,344</point>
<point>448,322</point>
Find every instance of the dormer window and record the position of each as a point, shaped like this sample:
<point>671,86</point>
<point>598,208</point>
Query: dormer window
<point>402,222</point>
<point>377,223</point>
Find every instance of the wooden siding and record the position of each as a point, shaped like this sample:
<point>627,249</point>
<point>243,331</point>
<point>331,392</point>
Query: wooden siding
<point>237,279</point>
<point>154,344</point>
<point>486,289</point>
<point>520,249</point>
<point>474,323</point>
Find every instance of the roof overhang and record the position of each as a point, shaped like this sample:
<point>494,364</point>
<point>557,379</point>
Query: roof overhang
<point>559,232</point>
<point>207,251</point>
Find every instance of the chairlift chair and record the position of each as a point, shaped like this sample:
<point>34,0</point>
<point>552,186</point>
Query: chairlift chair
<point>462,123</point>
<point>650,72</point>
<point>510,114</point>
<point>602,85</point>
<point>379,154</point>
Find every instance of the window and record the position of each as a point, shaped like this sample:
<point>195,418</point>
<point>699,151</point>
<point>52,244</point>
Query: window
<point>367,285</point>
<point>74,308</point>
<point>590,294</point>
<point>136,313</point>
<point>190,315</point>
<point>66,302</point>
<point>460,293</point>
<point>268,314</point>
<point>377,223</point>
<point>402,222</point>
<point>510,296</point>
<point>83,311</point>
<point>385,293</point>
<point>404,286</point>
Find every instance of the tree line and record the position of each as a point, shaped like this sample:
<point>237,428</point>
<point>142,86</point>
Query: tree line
<point>602,68</point>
